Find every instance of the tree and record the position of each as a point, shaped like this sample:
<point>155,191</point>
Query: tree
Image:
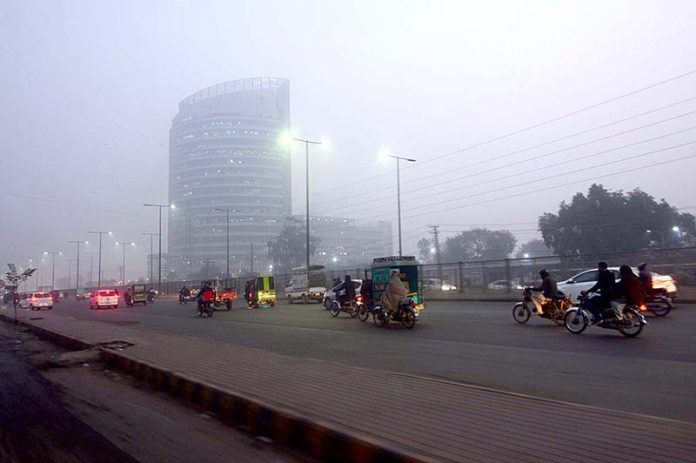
<point>533,248</point>
<point>479,244</point>
<point>288,250</point>
<point>425,247</point>
<point>605,221</point>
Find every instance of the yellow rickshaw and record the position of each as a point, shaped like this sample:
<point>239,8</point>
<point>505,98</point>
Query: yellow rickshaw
<point>264,294</point>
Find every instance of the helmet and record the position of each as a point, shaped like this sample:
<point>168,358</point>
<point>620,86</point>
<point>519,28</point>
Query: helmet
<point>543,273</point>
<point>642,265</point>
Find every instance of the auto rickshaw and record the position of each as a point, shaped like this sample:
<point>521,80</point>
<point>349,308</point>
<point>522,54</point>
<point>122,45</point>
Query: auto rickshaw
<point>406,267</point>
<point>136,294</point>
<point>227,296</point>
<point>263,293</point>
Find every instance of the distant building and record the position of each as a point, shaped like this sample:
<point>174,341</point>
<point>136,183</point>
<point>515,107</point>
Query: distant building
<point>224,153</point>
<point>348,243</point>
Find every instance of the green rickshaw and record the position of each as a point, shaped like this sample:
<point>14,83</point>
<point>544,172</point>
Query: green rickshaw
<point>264,294</point>
<point>406,267</point>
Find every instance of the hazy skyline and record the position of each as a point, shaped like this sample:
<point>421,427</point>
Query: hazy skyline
<point>90,89</point>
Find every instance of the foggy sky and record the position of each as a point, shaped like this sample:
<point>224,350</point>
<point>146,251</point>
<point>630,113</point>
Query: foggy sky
<point>89,90</point>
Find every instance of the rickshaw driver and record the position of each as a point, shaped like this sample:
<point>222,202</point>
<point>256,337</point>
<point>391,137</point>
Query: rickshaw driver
<point>394,293</point>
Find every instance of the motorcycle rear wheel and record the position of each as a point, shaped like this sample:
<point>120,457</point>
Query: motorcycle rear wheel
<point>636,324</point>
<point>521,313</point>
<point>380,319</point>
<point>335,309</point>
<point>352,311</point>
<point>363,313</point>
<point>661,309</point>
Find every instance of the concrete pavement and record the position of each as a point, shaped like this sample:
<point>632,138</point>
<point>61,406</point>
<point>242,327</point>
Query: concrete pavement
<point>413,415</point>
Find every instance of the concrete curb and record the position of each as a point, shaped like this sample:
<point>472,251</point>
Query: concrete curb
<point>317,439</point>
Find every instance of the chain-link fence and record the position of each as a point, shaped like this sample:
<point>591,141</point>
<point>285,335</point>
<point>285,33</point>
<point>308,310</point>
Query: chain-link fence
<point>497,277</point>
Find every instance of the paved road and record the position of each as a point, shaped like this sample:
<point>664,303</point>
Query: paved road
<point>34,424</point>
<point>477,343</point>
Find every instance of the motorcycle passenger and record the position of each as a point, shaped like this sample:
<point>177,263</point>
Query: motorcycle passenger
<point>646,278</point>
<point>605,286</point>
<point>366,293</point>
<point>549,287</point>
<point>630,287</point>
<point>394,293</point>
<point>206,294</point>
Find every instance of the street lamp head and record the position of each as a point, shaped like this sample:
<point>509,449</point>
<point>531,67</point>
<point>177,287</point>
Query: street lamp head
<point>526,255</point>
<point>383,155</point>
<point>45,253</point>
<point>325,143</point>
<point>675,229</point>
<point>172,206</point>
<point>110,233</point>
<point>286,139</point>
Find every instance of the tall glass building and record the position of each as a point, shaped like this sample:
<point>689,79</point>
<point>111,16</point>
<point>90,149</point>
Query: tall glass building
<point>224,154</point>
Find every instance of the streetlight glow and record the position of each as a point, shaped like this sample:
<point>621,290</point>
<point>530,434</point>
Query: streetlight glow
<point>675,229</point>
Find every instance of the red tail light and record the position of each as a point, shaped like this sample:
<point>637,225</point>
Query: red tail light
<point>413,303</point>
<point>643,308</point>
<point>359,298</point>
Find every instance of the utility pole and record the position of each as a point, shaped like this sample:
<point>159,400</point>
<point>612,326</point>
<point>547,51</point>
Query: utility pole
<point>227,216</point>
<point>252,258</point>
<point>151,256</point>
<point>436,238</point>
<point>77,276</point>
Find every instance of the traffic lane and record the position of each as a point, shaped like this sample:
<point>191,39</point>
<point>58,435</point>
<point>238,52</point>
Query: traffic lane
<point>585,374</point>
<point>487,323</point>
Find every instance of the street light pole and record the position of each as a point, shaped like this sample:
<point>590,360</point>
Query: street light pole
<point>77,276</point>
<point>151,253</point>
<point>53,266</point>
<point>307,143</point>
<point>124,244</point>
<point>100,233</point>
<point>227,214</point>
<point>398,191</point>
<point>159,252</point>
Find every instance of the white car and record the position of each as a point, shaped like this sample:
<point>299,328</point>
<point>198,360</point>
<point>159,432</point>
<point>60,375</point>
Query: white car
<point>103,298</point>
<point>587,279</point>
<point>37,301</point>
<point>503,285</point>
<point>330,295</point>
<point>437,284</point>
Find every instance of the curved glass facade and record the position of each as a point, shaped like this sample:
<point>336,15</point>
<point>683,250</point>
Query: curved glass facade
<point>224,153</point>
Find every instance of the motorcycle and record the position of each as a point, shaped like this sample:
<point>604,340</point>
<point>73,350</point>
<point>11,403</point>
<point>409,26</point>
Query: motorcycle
<point>350,307</point>
<point>621,317</point>
<point>205,308</point>
<point>406,314</point>
<point>554,310</point>
<point>184,299</point>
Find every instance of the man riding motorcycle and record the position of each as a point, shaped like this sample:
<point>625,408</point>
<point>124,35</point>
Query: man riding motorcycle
<point>394,293</point>
<point>605,286</point>
<point>184,293</point>
<point>549,288</point>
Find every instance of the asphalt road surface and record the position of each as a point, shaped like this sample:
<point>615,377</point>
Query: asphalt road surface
<point>473,342</point>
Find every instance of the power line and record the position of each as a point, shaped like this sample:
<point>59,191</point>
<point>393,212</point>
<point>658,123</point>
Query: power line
<point>517,174</point>
<point>575,134</point>
<point>530,127</point>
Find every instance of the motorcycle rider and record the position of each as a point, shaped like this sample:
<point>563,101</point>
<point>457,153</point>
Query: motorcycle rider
<point>646,278</point>
<point>206,293</point>
<point>184,292</point>
<point>549,287</point>
<point>605,286</point>
<point>394,293</point>
<point>348,291</point>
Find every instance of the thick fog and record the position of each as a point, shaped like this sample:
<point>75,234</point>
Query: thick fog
<point>89,88</point>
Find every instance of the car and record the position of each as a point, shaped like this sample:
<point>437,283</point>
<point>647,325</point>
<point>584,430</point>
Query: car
<point>330,294</point>
<point>437,284</point>
<point>82,295</point>
<point>104,298</point>
<point>587,279</point>
<point>503,285</point>
<point>36,301</point>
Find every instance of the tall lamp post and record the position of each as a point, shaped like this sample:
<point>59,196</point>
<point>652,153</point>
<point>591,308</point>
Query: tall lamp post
<point>227,215</point>
<point>100,233</point>
<point>124,245</point>
<point>53,266</point>
<point>307,143</point>
<point>159,252</point>
<point>398,190</point>
<point>152,267</point>
<point>77,276</point>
